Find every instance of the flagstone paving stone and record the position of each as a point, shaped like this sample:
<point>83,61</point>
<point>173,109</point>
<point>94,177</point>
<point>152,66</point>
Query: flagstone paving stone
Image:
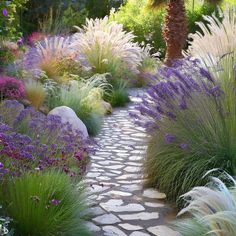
<point>120,205</point>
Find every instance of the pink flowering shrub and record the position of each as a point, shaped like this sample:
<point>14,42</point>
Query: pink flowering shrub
<point>11,88</point>
<point>36,37</point>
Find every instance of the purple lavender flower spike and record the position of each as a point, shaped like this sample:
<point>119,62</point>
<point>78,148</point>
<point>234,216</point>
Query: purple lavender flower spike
<point>55,202</point>
<point>183,146</point>
<point>170,138</point>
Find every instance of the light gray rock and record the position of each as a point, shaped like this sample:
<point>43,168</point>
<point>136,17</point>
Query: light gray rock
<point>138,233</point>
<point>112,231</point>
<point>162,230</point>
<point>130,227</point>
<point>116,206</point>
<point>68,115</point>
<point>106,219</point>
<point>140,216</point>
<point>152,193</point>
<point>92,227</point>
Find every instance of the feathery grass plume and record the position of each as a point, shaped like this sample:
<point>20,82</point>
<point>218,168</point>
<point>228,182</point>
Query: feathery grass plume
<point>35,93</point>
<point>47,55</point>
<point>192,126</point>
<point>107,47</point>
<point>45,203</point>
<point>85,98</point>
<point>215,44</point>
<point>212,209</point>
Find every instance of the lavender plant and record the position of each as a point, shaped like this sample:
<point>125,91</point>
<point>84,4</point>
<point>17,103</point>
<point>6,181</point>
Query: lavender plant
<point>11,88</point>
<point>192,127</point>
<point>36,142</point>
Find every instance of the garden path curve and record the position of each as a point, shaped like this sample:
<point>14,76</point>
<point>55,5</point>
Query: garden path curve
<point>119,205</point>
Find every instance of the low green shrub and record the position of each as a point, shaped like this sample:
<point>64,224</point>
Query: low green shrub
<point>44,204</point>
<point>119,96</point>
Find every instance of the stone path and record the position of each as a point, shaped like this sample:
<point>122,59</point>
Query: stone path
<point>119,204</point>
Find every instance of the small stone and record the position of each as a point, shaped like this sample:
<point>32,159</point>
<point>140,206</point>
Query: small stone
<point>154,204</point>
<point>106,219</point>
<point>114,167</point>
<point>162,230</point>
<point>128,176</point>
<point>130,227</point>
<point>132,169</point>
<point>92,227</point>
<point>152,193</point>
<point>112,231</point>
<point>93,175</point>
<point>140,216</point>
<point>116,206</point>
<point>97,189</point>
<point>120,193</point>
<point>138,233</point>
<point>95,211</point>
<point>132,187</point>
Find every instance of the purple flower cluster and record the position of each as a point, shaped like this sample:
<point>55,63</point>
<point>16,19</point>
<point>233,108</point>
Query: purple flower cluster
<point>11,88</point>
<point>38,142</point>
<point>176,88</point>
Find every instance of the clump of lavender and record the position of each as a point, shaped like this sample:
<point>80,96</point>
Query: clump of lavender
<point>176,90</point>
<point>192,127</point>
<point>11,88</point>
<point>36,142</point>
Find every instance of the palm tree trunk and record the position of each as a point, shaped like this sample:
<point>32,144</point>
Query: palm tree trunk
<point>175,31</point>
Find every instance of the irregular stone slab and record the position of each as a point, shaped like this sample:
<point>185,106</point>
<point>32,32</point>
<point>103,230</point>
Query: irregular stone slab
<point>130,227</point>
<point>140,216</point>
<point>154,204</point>
<point>138,233</point>
<point>128,176</point>
<point>103,178</point>
<point>97,188</point>
<point>114,167</point>
<point>132,187</point>
<point>116,206</point>
<point>92,227</point>
<point>106,219</point>
<point>113,231</point>
<point>162,230</point>
<point>132,169</point>
<point>120,193</point>
<point>152,193</point>
<point>95,211</point>
<point>93,175</point>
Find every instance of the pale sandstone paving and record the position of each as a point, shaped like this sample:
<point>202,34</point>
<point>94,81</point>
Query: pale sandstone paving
<point>119,204</point>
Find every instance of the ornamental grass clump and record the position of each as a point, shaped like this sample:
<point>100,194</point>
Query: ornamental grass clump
<point>192,126</point>
<point>85,97</point>
<point>11,88</point>
<point>45,204</point>
<point>203,43</point>
<point>51,55</point>
<point>209,210</point>
<point>107,47</point>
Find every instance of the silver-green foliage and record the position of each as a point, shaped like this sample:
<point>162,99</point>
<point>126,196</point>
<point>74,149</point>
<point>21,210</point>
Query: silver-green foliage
<point>213,210</point>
